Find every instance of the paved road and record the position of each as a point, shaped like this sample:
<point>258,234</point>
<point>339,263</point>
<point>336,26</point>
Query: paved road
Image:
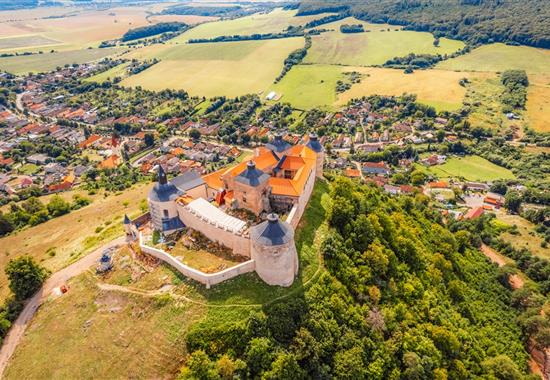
<point>57,279</point>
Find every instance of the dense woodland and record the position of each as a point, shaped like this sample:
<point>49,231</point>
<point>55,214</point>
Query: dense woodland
<point>475,21</point>
<point>153,30</point>
<point>401,297</point>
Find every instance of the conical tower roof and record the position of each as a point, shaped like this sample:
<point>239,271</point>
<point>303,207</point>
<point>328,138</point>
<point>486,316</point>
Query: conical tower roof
<point>163,191</point>
<point>126,219</point>
<point>272,232</point>
<point>252,176</point>
<point>314,144</point>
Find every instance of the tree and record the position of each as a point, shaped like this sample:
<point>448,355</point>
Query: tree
<point>194,134</point>
<point>512,201</point>
<point>259,355</point>
<point>502,367</point>
<point>418,178</point>
<point>149,139</point>
<point>58,206</point>
<point>25,276</point>
<point>285,367</point>
<point>5,225</point>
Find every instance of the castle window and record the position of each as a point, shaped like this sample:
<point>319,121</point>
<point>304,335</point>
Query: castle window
<point>165,212</point>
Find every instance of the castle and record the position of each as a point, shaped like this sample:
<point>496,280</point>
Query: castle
<point>277,179</point>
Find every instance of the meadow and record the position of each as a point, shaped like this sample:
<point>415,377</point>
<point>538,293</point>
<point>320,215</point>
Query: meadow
<point>471,168</point>
<point>117,71</point>
<point>525,236</point>
<point>500,57</point>
<point>538,107</point>
<point>309,86</point>
<point>215,69</point>
<point>437,88</point>
<point>49,61</point>
<point>382,43</point>
<point>70,235</point>
<point>272,22</point>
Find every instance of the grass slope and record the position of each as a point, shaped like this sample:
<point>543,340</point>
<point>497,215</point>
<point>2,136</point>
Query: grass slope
<point>72,234</point>
<point>122,336</point>
<point>538,106</point>
<point>226,68</point>
<point>373,48</point>
<point>500,57</point>
<point>472,168</point>
<point>49,61</point>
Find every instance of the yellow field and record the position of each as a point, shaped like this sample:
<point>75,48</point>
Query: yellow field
<point>438,88</point>
<point>81,28</point>
<point>188,19</point>
<point>226,68</point>
<point>538,107</point>
<point>70,234</point>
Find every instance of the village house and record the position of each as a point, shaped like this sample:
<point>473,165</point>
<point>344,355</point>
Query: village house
<point>377,168</point>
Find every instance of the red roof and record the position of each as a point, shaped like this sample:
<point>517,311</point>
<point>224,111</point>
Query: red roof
<point>474,213</point>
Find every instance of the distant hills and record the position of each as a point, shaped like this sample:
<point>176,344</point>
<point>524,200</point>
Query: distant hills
<point>525,22</point>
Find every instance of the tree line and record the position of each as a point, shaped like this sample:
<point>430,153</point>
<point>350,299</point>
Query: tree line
<point>152,30</point>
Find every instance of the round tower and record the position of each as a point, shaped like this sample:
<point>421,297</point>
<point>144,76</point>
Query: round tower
<point>162,204</point>
<point>274,251</point>
<point>127,225</point>
<point>314,144</point>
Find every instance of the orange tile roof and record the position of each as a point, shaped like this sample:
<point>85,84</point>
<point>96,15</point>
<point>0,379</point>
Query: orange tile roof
<point>292,163</point>
<point>214,179</point>
<point>438,185</point>
<point>352,173</point>
<point>89,141</point>
<point>177,151</point>
<point>110,162</point>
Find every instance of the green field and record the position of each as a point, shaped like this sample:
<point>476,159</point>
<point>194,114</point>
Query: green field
<point>374,47</point>
<point>309,86</point>
<point>117,71</point>
<point>49,61</point>
<point>272,22</point>
<point>471,168</point>
<point>214,69</point>
<point>500,57</point>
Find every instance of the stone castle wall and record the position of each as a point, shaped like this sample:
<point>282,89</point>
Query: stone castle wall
<point>240,244</point>
<point>207,279</point>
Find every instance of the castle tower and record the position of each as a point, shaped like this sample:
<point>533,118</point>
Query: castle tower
<point>127,225</point>
<point>278,145</point>
<point>162,204</point>
<point>250,189</point>
<point>274,251</point>
<point>314,144</point>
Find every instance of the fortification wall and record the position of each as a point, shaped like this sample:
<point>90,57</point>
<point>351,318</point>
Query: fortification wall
<point>207,279</point>
<point>298,209</point>
<point>240,244</point>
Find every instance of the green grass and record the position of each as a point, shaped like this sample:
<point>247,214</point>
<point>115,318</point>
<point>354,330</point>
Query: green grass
<point>472,168</point>
<point>29,169</point>
<point>500,57</point>
<point>112,73</point>
<point>375,47</point>
<point>272,22</point>
<point>49,61</point>
<point>309,86</point>
<point>215,69</point>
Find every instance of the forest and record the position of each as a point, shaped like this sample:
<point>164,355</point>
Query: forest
<point>153,30</point>
<point>475,21</point>
<point>401,297</point>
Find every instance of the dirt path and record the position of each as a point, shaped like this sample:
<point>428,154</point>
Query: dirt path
<point>57,279</point>
<point>515,280</point>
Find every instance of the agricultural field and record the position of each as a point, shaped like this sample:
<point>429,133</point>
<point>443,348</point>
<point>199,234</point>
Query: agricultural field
<point>272,22</point>
<point>59,241</point>
<point>117,71</point>
<point>309,86</point>
<point>538,107</point>
<point>213,69</point>
<point>49,61</point>
<point>500,57</point>
<point>67,29</point>
<point>374,47</point>
<point>187,19</point>
<point>437,88</point>
<point>471,168</point>
<point>526,236</point>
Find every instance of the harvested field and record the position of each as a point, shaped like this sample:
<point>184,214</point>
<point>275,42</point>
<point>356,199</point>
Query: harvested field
<point>25,41</point>
<point>471,168</point>
<point>538,107</point>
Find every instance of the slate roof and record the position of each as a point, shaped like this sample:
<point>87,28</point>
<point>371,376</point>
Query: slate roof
<point>278,144</point>
<point>187,181</point>
<point>314,144</point>
<point>272,232</point>
<point>163,191</point>
<point>126,219</point>
<point>252,176</point>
